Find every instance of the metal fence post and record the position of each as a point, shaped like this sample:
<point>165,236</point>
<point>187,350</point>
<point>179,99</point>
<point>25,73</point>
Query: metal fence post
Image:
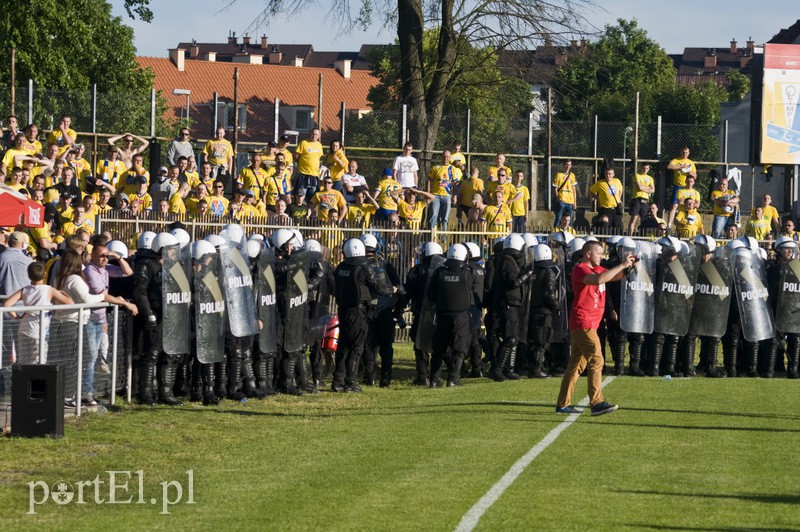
<point>30,101</point>
<point>42,356</point>
<point>469,132</point>
<point>549,148</point>
<point>114,357</point>
<point>725,146</point>
<point>404,126</point>
<point>93,107</point>
<point>277,119</point>
<point>153,113</point>
<point>658,138</point>
<point>532,182</point>
<point>342,128</point>
<point>79,377</point>
<point>216,115</point>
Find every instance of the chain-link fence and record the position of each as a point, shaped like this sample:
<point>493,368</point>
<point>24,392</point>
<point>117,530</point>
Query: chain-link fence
<point>95,355</point>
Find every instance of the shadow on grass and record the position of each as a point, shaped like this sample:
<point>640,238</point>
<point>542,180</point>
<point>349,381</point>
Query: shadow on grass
<point>703,428</point>
<point>646,526</point>
<point>714,413</point>
<point>749,497</point>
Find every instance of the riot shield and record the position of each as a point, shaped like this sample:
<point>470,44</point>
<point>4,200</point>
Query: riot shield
<point>712,293</point>
<point>561,316</point>
<point>787,318</point>
<point>752,296</point>
<point>296,319</point>
<point>237,282</point>
<point>209,309</point>
<point>525,309</point>
<point>675,292</point>
<point>637,303</point>
<point>427,314</point>
<point>267,302</point>
<point>176,297</point>
<point>316,328</point>
<point>476,310</point>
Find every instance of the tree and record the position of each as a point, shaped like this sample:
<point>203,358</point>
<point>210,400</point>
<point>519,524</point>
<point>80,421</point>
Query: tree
<point>604,79</point>
<point>64,47</point>
<point>496,24</point>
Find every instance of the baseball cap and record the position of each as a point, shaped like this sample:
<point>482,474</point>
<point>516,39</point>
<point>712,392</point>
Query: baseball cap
<point>163,169</point>
<point>123,197</point>
<point>387,171</point>
<point>239,191</point>
<point>142,180</point>
<point>66,195</point>
<point>249,192</point>
<point>284,138</point>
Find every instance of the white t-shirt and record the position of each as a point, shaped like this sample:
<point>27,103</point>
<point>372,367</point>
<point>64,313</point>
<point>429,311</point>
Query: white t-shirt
<point>34,296</point>
<point>357,180</point>
<point>405,168</point>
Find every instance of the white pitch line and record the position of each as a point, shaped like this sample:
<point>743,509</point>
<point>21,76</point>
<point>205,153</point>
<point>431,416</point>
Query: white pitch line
<point>471,518</point>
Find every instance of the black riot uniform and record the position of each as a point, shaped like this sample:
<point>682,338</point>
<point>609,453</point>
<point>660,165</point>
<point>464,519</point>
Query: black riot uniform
<point>663,345</point>
<point>491,319</point>
<point>510,276</point>
<point>380,317</point>
<point>147,294</point>
<point>546,298</point>
<point>354,289</point>
<point>792,339</point>
<point>321,278</point>
<point>451,289</point>
<point>413,295</point>
<point>475,314</point>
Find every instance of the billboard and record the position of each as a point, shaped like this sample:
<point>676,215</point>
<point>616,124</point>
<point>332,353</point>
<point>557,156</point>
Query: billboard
<point>780,119</point>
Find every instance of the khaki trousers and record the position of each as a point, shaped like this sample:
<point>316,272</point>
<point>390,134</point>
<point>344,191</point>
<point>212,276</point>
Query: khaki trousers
<point>585,352</point>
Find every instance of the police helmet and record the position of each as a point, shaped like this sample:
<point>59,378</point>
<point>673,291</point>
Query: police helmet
<point>233,233</point>
<point>118,247</point>
<point>161,240</point>
<point>182,236</point>
<point>530,239</point>
<point>257,236</point>
<point>542,252</point>
<point>785,241</point>
<point>562,237</point>
<point>762,253</point>
<point>626,243</point>
<point>202,247</point>
<point>514,241</point>
<point>590,238</point>
<point>145,240</point>
<point>474,250</point>
<point>458,252</point>
<point>312,245</point>
<point>369,241</point>
<point>254,247</point>
<point>298,238</point>
<point>669,242</point>
<point>575,245</point>
<point>216,241</point>
<point>281,237</point>
<point>432,248</point>
<point>353,247</point>
<point>736,244</point>
<point>749,242</point>
<point>613,240</point>
<point>707,243</point>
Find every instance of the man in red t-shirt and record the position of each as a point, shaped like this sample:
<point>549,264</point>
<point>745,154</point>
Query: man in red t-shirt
<point>589,286</point>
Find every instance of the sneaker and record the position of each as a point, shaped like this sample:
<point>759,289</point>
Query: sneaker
<point>70,403</point>
<point>89,400</point>
<point>569,409</point>
<point>603,408</point>
<point>103,368</point>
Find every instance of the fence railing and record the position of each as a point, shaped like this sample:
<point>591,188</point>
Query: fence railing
<point>60,348</point>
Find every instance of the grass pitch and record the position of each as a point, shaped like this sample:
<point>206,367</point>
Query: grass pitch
<point>689,454</point>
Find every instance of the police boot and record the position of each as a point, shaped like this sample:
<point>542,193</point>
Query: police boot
<point>288,387</point>
<point>302,375</point>
<point>221,375</point>
<point>197,381</point>
<point>235,375</point>
<point>339,371</point>
<point>351,380</point>
<point>166,376</point>
<point>499,361</point>
<point>183,383</point>
<point>751,354</point>
<point>635,349</point>
<point>209,397</point>
<point>688,356</point>
<point>422,363</point>
<point>476,371</point>
<point>655,358</point>
<point>671,354</point>
<point>769,369</point>
<point>454,377</point>
<point>618,354</point>
<point>436,366</point>
<point>712,353</point>
<point>147,372</point>
<point>537,359</point>
<point>730,356</point>
<point>250,387</point>
<point>260,369</point>
<point>793,356</point>
<point>511,363</point>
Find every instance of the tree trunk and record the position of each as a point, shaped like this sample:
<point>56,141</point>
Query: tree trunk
<point>409,33</point>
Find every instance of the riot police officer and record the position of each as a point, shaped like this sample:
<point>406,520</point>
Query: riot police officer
<point>545,299</point>
<point>475,265</point>
<point>784,286</point>
<point>451,290</point>
<point>414,295</point>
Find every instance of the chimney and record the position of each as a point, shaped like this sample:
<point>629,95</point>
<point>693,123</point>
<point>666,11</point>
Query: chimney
<point>246,40</point>
<point>343,67</point>
<point>194,50</point>
<point>750,45</point>
<point>231,37</point>
<point>573,44</point>
<point>710,59</point>
<point>209,56</point>
<point>248,59</point>
<point>275,57</point>
<point>733,46</point>
<point>561,58</point>
<point>743,60</point>
<point>298,62</point>
<point>264,42</point>
<point>178,56</point>
<point>584,43</point>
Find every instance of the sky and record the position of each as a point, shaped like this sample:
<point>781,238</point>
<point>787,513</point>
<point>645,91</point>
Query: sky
<point>674,24</point>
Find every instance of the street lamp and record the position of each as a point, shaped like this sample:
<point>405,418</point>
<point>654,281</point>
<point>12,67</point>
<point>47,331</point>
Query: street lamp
<point>628,129</point>
<point>182,92</point>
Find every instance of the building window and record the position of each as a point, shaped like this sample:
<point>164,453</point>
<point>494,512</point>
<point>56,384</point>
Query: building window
<point>225,115</point>
<point>303,119</point>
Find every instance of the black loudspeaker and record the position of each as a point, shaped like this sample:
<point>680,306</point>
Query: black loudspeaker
<point>37,400</point>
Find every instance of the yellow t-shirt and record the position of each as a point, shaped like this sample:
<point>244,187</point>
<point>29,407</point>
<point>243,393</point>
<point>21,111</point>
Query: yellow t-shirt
<point>145,199</point>
<point>770,213</point>
<point>253,179</point>
<point>326,200</point>
<point>217,205</point>
<point>176,204</point>
<point>469,187</point>
<point>497,218</point>
<point>566,193</point>
<point>686,193</point>
<point>458,157</point>
<point>411,212</point>
<point>520,206</point>
<point>688,222</point>
<point>678,177</point>
<point>493,171</point>
<point>218,151</point>
<point>112,172</point>
<point>641,181</point>
<point>388,192</point>
<point>31,148</point>
<point>443,179</point>
<point>507,188</point>
<point>57,137</point>
<point>336,169</point>
<point>8,158</point>
<point>721,210</point>
<point>308,155</point>
<point>196,180</point>
<point>608,195</point>
<point>758,229</point>
<point>69,228</point>
<point>359,215</point>
<point>288,158</point>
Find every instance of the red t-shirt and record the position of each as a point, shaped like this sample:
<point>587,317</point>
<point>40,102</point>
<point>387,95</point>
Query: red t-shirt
<point>589,303</point>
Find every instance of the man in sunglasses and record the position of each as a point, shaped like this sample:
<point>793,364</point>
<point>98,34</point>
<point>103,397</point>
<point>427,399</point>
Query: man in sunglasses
<point>128,149</point>
<point>180,147</point>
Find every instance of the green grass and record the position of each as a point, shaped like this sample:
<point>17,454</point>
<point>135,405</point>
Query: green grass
<point>686,454</point>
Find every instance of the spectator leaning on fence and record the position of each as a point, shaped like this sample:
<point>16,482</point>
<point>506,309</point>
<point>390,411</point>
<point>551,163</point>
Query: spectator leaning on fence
<point>467,188</point>
<point>336,161</point>
<point>219,152</point>
<point>566,192</point>
<point>725,203</point>
<point>608,193</point>
<point>643,187</point>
